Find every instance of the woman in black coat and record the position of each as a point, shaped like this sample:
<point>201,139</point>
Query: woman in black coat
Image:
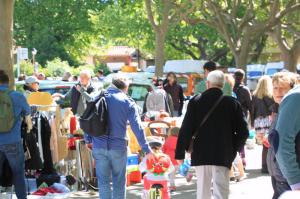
<point>261,110</point>
<point>175,90</point>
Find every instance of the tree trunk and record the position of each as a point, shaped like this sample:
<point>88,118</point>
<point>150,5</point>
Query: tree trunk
<point>159,53</point>
<point>6,30</point>
<point>290,61</point>
<point>291,57</point>
<point>241,62</point>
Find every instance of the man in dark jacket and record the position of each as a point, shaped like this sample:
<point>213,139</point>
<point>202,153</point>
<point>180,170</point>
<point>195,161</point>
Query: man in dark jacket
<point>242,92</point>
<point>80,94</point>
<point>244,97</point>
<point>218,141</point>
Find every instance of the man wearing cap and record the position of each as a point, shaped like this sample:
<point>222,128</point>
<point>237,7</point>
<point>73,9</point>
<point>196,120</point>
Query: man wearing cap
<point>31,85</point>
<point>110,151</point>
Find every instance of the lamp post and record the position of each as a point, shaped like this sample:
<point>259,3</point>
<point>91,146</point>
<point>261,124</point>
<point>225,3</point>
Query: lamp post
<point>34,52</point>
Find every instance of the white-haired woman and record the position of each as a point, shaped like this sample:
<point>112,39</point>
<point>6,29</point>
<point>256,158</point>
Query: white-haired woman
<point>262,103</point>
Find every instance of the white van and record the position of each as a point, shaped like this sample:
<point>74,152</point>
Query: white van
<point>254,72</point>
<point>184,66</point>
<point>273,67</point>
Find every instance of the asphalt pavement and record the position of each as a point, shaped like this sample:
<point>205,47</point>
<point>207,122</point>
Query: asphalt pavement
<point>254,186</point>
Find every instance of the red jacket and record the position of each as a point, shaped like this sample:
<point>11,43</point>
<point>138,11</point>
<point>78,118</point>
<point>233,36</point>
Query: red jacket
<point>170,147</point>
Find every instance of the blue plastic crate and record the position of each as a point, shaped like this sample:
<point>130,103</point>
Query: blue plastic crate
<point>133,159</point>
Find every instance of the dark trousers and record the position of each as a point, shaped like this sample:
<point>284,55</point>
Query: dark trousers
<point>279,187</point>
<point>264,158</point>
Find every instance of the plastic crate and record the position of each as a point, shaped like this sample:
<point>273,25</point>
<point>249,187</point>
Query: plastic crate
<point>133,160</point>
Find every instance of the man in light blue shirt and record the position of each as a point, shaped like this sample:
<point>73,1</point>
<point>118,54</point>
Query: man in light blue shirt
<point>288,128</point>
<point>11,146</point>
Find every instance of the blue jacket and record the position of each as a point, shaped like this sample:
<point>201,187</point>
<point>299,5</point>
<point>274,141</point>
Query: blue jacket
<point>288,129</point>
<point>21,108</point>
<point>121,109</point>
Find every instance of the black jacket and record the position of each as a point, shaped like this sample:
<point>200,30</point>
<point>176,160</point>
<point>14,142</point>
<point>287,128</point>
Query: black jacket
<point>244,97</point>
<point>75,95</point>
<point>261,108</point>
<point>220,138</point>
<point>176,92</point>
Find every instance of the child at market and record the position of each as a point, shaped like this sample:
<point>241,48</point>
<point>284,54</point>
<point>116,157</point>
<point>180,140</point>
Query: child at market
<point>157,167</point>
<point>169,149</point>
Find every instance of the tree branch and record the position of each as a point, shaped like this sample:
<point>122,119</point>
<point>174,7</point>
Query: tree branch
<point>148,4</point>
<point>276,34</point>
<point>185,50</point>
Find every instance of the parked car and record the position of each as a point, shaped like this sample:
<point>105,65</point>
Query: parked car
<point>50,86</point>
<point>138,90</point>
<point>150,69</point>
<point>129,76</point>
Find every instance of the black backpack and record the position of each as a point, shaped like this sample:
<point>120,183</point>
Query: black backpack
<point>94,120</point>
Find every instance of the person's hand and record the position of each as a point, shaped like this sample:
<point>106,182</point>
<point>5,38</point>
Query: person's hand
<point>29,123</point>
<point>78,87</point>
<point>180,162</point>
<point>56,95</point>
<point>89,146</point>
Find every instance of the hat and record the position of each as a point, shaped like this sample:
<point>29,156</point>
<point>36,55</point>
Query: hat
<point>154,141</point>
<point>31,80</point>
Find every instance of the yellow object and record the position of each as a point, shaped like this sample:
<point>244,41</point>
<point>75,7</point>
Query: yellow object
<point>133,143</point>
<point>129,69</point>
<point>40,99</point>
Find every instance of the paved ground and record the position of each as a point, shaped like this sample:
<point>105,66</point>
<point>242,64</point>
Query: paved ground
<point>255,186</point>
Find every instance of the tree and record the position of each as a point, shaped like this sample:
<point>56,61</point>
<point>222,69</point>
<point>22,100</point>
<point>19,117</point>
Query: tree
<point>200,42</point>
<point>162,14</point>
<point>159,19</point>
<point>124,23</point>
<point>56,28</point>
<point>241,22</point>
<point>287,36</point>
<point>6,29</point>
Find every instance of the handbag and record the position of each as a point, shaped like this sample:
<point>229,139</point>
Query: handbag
<point>191,146</point>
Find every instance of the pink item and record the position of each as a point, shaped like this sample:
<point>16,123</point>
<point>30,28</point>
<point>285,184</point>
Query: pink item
<point>165,191</point>
<point>170,147</point>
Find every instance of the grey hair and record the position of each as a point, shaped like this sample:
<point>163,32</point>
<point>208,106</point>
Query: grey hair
<point>216,78</point>
<point>120,83</point>
<point>86,72</point>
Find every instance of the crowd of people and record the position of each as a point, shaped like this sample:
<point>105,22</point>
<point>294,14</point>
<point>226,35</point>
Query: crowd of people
<point>212,136</point>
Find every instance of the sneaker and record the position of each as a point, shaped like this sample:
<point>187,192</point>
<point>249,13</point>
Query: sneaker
<point>172,188</point>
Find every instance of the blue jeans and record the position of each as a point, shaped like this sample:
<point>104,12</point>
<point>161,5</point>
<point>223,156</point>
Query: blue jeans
<point>14,153</point>
<point>111,164</point>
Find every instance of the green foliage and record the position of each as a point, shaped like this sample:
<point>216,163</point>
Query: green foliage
<point>26,68</point>
<point>124,23</point>
<point>57,67</point>
<point>198,42</point>
<point>55,28</point>
<point>76,71</point>
<point>102,67</point>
